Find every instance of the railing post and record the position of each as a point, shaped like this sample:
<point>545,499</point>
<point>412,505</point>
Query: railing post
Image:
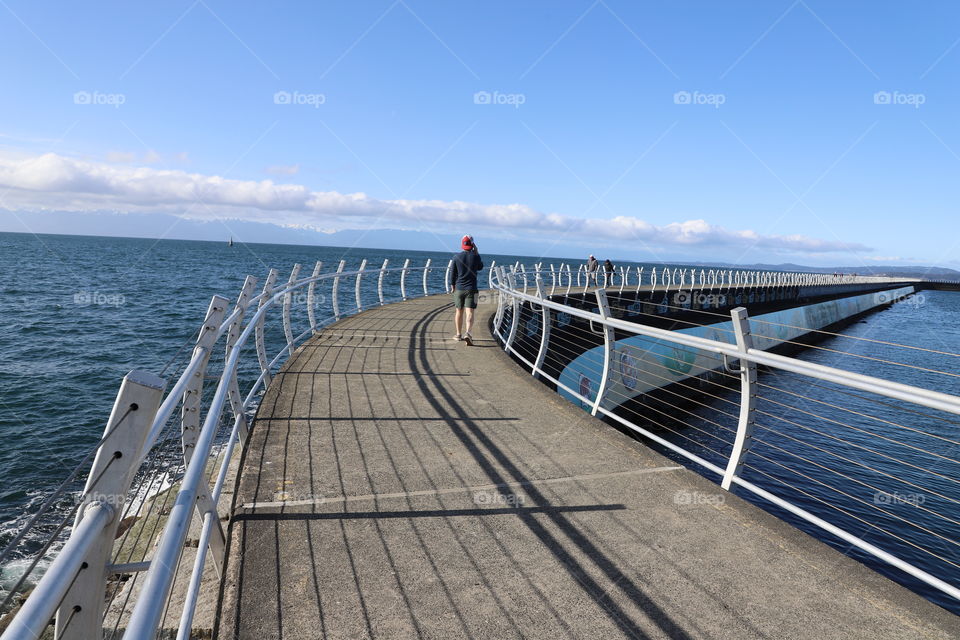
<point>570,278</point>
<point>261,346</point>
<point>608,336</point>
<point>312,296</point>
<point>501,305</point>
<point>383,272</point>
<point>523,272</point>
<point>190,419</point>
<point>426,272</point>
<point>32,619</point>
<point>363,265</point>
<point>515,319</point>
<point>446,277</point>
<point>403,278</point>
<point>489,275</point>
<point>545,333</point>
<point>236,402</point>
<point>192,395</point>
<point>287,302</point>
<point>80,614</point>
<point>748,398</point>
<point>335,293</point>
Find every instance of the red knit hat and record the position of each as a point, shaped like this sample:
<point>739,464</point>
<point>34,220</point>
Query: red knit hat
<point>466,243</point>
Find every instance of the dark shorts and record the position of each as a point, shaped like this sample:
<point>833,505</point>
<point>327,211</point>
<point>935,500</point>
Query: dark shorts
<point>463,298</point>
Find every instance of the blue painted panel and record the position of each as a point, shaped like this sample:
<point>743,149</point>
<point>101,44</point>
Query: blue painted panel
<point>641,364</point>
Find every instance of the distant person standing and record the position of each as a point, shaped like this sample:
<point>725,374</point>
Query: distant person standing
<point>463,278</point>
<point>592,266</point>
<point>607,272</point>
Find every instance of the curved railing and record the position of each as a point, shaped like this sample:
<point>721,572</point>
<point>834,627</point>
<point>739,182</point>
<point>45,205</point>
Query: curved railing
<point>563,278</point>
<point>708,407</point>
<point>160,470</point>
<point>145,436</point>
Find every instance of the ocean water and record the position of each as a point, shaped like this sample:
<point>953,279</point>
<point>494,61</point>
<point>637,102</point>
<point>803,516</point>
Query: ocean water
<point>884,470</point>
<point>77,313</point>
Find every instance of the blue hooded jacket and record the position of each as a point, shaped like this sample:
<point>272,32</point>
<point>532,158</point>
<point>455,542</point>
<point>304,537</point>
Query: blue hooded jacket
<point>463,273</point>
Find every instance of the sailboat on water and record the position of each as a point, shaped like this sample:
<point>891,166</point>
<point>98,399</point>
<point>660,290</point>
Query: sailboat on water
<point>230,242</point>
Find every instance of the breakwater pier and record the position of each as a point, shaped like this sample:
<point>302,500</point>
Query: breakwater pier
<point>395,483</point>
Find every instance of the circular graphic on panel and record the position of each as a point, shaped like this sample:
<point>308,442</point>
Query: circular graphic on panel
<point>585,386</point>
<point>532,326</point>
<point>628,370</point>
<point>678,360</point>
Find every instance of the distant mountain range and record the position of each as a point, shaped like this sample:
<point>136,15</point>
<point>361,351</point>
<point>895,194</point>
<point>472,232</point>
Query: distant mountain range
<point>913,271</point>
<point>569,248</point>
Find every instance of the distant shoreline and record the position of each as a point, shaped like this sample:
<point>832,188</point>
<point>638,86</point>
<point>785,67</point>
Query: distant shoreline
<point>918,271</point>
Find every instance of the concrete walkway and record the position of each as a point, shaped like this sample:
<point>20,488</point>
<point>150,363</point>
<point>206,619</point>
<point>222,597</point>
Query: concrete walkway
<point>401,485</point>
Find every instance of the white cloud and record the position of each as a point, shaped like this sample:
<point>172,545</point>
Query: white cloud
<point>283,170</point>
<point>55,182</point>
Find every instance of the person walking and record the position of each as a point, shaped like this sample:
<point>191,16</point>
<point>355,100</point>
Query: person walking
<point>463,280</point>
<point>592,266</point>
<point>607,273</point>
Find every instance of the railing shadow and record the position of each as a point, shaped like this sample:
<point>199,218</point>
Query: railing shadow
<point>571,543</point>
<point>464,425</point>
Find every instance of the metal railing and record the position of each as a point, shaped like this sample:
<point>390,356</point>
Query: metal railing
<point>161,468</point>
<point>564,277</point>
<point>710,408</point>
<point>73,590</point>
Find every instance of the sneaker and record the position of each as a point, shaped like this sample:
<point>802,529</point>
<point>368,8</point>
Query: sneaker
<point>468,339</point>
<point>458,337</point>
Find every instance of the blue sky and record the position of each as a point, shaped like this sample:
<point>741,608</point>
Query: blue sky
<point>814,132</point>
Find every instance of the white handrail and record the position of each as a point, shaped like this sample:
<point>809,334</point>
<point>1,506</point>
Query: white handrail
<point>151,600</point>
<point>917,395</point>
<point>152,597</point>
<point>155,591</point>
<point>504,285</point>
